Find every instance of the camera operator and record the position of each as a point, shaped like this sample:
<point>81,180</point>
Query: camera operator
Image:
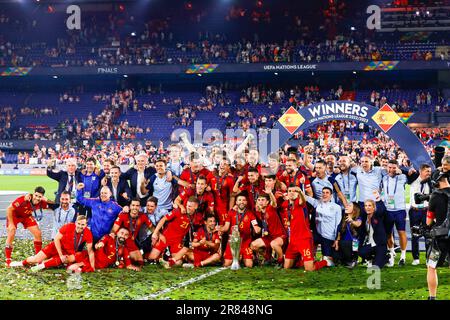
<point>442,164</point>
<point>420,191</point>
<point>440,244</point>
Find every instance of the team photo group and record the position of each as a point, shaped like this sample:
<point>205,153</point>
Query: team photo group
<point>305,209</point>
<point>249,150</point>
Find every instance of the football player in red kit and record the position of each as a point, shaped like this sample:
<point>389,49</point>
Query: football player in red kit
<point>133,221</point>
<point>179,225</point>
<point>253,188</point>
<point>295,218</point>
<point>205,245</point>
<point>21,211</point>
<point>205,199</point>
<point>109,251</point>
<point>273,235</point>
<point>222,183</point>
<point>191,174</point>
<point>65,249</point>
<point>246,220</point>
<point>293,175</point>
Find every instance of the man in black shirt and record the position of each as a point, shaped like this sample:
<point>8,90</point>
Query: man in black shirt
<point>440,247</point>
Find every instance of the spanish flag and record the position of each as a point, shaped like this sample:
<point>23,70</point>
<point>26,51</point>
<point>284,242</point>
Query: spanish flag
<point>386,118</point>
<point>291,120</point>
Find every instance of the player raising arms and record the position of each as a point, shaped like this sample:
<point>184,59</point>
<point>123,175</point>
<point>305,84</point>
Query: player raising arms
<point>295,218</point>
<point>21,211</point>
<point>65,249</point>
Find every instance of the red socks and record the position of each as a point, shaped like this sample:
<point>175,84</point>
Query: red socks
<point>140,263</point>
<point>53,262</point>
<point>8,251</point>
<point>320,264</point>
<point>25,262</point>
<point>37,246</point>
<point>171,262</point>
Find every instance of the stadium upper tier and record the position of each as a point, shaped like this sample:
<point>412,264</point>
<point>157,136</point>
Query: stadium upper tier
<point>13,54</point>
<point>154,116</point>
<point>234,33</point>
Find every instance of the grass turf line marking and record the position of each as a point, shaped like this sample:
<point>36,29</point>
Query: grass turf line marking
<point>182,284</point>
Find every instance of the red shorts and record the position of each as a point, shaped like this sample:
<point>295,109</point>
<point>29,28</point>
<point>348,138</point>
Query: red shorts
<point>302,247</point>
<point>174,247</point>
<point>268,239</point>
<point>246,252</point>
<point>50,250</point>
<point>131,245</point>
<point>27,222</point>
<point>83,257</point>
<point>200,255</point>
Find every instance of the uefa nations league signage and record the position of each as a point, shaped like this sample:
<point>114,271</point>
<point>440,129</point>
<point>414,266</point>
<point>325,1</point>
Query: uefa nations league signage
<point>384,119</point>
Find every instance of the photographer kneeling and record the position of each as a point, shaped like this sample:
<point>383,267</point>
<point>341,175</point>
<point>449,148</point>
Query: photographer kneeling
<point>438,225</point>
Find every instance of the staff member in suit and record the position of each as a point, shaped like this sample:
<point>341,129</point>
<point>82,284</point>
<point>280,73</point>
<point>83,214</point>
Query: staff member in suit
<point>67,180</point>
<point>138,175</point>
<point>121,192</point>
<point>374,247</point>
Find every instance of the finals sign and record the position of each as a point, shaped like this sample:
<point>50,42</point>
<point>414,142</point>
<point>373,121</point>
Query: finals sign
<point>384,119</point>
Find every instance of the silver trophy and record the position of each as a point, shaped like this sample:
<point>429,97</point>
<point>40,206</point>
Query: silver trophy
<point>74,280</point>
<point>235,246</point>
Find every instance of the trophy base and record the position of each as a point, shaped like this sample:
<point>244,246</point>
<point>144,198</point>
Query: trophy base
<point>235,266</point>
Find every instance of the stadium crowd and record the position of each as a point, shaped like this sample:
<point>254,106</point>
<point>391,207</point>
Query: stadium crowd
<point>127,38</point>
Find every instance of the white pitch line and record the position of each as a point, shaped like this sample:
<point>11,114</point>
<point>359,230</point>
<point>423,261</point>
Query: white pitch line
<point>182,284</point>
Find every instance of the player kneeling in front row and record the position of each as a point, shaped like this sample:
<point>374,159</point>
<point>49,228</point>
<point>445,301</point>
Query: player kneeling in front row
<point>135,222</point>
<point>205,245</point>
<point>179,225</point>
<point>245,220</point>
<point>273,235</point>
<point>65,249</point>
<point>109,251</point>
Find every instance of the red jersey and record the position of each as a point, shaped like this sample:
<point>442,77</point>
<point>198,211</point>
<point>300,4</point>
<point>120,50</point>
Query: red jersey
<point>295,220</point>
<point>202,233</point>
<point>271,223</point>
<point>253,192</point>
<point>24,209</point>
<point>222,188</point>
<point>206,200</point>
<point>72,241</point>
<point>177,227</point>
<point>245,222</point>
<point>134,225</point>
<point>108,254</point>
<point>295,180</point>
<point>246,168</point>
<point>191,177</point>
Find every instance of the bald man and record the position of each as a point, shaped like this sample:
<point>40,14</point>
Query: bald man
<point>104,211</point>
